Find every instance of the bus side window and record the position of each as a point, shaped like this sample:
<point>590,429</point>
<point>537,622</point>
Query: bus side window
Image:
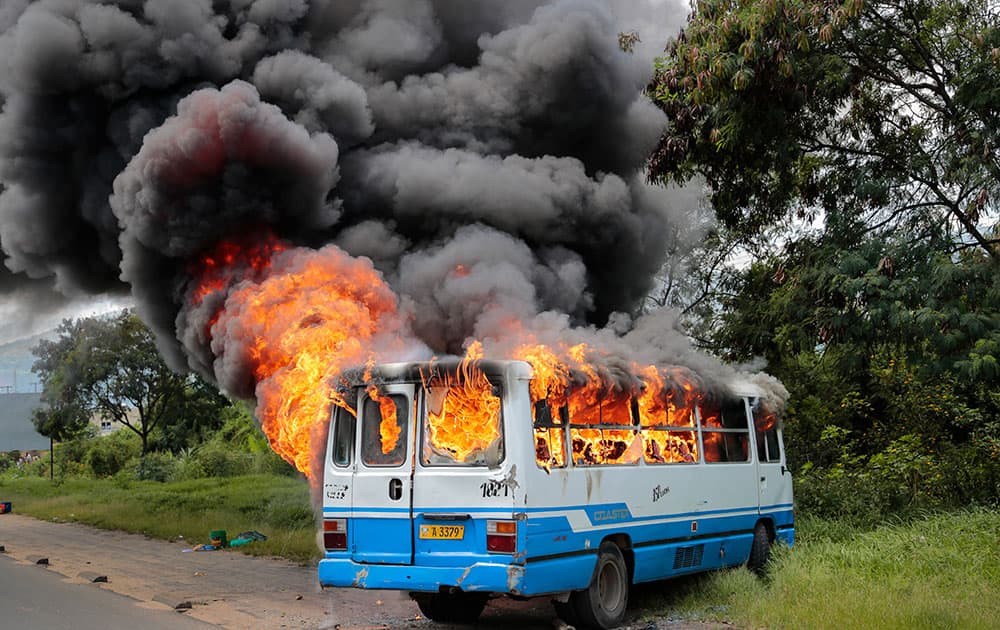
<point>550,447</point>
<point>669,433</point>
<point>766,424</point>
<point>343,437</point>
<point>603,430</point>
<point>725,433</point>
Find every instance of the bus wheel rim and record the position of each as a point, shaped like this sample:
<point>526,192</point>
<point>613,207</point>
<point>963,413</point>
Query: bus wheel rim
<point>609,589</point>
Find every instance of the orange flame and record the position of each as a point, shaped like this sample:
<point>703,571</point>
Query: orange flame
<point>315,313</point>
<point>217,269</point>
<point>566,377</point>
<point>388,429</point>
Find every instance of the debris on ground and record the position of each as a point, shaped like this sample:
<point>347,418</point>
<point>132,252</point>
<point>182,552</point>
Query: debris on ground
<point>219,540</point>
<point>245,538</point>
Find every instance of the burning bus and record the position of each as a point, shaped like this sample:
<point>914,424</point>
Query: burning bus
<point>287,192</point>
<point>461,480</point>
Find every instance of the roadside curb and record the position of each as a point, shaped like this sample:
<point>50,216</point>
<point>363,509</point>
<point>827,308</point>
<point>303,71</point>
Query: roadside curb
<point>175,602</point>
<point>92,577</point>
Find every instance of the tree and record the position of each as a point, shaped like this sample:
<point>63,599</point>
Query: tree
<point>198,414</point>
<point>872,115</point>
<point>62,415</point>
<point>852,148</point>
<point>109,366</point>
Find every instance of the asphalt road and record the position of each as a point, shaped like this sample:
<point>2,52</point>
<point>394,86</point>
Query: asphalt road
<point>33,597</point>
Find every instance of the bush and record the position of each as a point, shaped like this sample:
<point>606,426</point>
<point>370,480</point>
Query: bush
<point>187,466</point>
<point>109,454</point>
<point>903,480</point>
<point>218,459</point>
<point>159,466</point>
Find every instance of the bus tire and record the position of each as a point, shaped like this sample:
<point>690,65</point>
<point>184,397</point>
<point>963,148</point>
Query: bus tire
<point>602,604</point>
<point>455,607</point>
<point>760,551</point>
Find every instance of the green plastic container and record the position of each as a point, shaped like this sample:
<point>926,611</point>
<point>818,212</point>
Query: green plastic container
<point>218,538</point>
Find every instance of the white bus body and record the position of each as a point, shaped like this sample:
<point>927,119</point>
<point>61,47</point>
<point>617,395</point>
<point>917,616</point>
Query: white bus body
<point>453,534</point>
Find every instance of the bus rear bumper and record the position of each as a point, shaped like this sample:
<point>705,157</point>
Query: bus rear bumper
<point>542,578</point>
<point>479,577</point>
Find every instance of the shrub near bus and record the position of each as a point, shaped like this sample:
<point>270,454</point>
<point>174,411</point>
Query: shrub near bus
<point>453,482</point>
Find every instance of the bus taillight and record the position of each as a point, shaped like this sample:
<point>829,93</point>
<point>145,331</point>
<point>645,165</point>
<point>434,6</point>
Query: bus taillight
<point>335,534</point>
<point>501,536</point>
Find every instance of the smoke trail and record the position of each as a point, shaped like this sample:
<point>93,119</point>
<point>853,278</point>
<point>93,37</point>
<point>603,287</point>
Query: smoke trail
<point>487,157</point>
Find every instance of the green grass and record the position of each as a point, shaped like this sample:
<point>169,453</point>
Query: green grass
<point>942,571</point>
<point>274,505</point>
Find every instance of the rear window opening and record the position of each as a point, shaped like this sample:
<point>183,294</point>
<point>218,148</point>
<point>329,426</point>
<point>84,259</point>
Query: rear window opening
<point>463,422</point>
<point>384,427</point>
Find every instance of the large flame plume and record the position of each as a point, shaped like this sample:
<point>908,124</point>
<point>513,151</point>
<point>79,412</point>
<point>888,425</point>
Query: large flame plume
<point>302,318</point>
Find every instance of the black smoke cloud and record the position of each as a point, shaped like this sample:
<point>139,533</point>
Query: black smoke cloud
<point>506,139</point>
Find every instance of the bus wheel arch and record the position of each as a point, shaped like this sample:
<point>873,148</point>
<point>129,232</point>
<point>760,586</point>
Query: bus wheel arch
<point>624,544</point>
<point>603,603</point>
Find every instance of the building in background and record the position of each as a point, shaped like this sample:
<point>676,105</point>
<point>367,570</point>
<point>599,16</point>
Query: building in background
<point>17,433</point>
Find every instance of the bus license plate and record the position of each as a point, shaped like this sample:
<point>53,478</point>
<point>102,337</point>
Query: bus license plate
<point>442,532</point>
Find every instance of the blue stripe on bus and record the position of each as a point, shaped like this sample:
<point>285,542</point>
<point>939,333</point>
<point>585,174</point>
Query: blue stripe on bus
<point>597,514</point>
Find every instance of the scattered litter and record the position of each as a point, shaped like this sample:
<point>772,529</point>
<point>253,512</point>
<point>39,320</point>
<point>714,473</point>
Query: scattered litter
<point>245,538</point>
<point>219,541</point>
<point>253,534</point>
<point>217,537</point>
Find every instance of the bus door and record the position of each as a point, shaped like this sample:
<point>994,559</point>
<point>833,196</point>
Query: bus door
<point>465,484</point>
<point>774,480</point>
<point>383,478</point>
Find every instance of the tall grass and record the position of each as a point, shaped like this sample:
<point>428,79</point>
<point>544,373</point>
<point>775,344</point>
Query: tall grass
<point>941,571</point>
<point>183,511</point>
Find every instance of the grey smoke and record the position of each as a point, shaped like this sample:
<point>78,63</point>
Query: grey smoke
<point>486,156</point>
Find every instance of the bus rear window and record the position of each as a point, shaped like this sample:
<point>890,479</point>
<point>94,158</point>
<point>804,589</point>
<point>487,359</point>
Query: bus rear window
<point>463,423</point>
<point>383,437</point>
<point>343,437</point>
